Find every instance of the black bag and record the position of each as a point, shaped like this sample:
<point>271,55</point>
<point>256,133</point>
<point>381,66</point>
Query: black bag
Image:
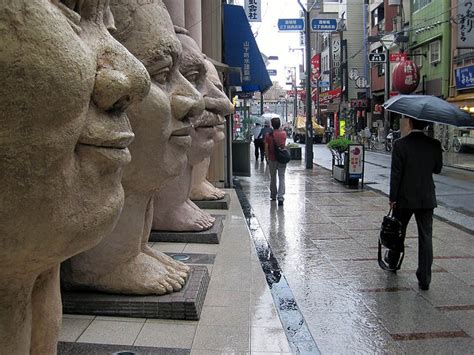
<point>391,238</point>
<point>282,155</point>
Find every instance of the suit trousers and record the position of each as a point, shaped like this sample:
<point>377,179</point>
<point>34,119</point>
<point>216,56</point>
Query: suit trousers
<point>275,167</point>
<point>259,148</point>
<point>424,222</point>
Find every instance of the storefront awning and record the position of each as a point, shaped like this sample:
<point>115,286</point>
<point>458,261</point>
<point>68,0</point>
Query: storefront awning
<point>241,50</point>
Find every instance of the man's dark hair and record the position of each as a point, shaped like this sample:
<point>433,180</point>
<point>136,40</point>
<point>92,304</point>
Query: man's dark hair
<point>276,123</point>
<point>418,124</point>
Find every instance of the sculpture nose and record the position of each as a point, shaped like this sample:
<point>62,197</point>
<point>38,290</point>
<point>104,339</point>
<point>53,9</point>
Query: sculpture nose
<point>121,79</point>
<point>186,101</point>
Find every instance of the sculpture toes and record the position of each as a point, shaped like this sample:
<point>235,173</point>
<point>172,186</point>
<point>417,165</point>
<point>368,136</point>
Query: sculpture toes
<point>176,282</point>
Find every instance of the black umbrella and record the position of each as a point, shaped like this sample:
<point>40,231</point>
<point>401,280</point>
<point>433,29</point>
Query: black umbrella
<point>429,108</point>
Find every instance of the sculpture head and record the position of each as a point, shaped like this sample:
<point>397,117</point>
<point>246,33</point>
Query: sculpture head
<point>219,105</point>
<point>195,67</point>
<point>63,143</point>
<point>162,121</point>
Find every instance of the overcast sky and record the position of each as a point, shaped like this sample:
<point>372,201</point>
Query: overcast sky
<point>272,42</point>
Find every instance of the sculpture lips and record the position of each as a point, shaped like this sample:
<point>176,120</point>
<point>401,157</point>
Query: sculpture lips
<point>183,131</point>
<point>182,136</point>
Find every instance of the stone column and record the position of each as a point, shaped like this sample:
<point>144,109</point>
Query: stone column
<point>176,11</point>
<point>193,20</point>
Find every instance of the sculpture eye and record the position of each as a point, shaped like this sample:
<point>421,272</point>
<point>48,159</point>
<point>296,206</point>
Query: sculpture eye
<point>161,76</point>
<point>192,77</point>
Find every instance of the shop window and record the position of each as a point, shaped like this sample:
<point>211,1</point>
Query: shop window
<point>378,16</point>
<point>435,52</point>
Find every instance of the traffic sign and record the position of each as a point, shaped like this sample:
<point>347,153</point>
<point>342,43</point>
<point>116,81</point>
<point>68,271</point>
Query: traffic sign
<point>291,24</point>
<point>377,57</point>
<point>272,72</point>
<point>323,24</point>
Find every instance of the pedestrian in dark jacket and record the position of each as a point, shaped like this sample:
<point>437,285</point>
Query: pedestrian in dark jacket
<point>415,158</point>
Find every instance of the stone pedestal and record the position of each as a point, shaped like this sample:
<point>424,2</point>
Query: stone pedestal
<point>222,204</point>
<point>210,236</point>
<point>186,304</point>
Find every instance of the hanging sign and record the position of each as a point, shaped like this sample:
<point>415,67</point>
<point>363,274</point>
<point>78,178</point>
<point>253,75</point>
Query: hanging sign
<point>406,77</point>
<point>465,20</point>
<point>253,9</point>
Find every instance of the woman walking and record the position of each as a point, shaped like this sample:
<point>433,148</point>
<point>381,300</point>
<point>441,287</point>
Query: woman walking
<point>277,137</point>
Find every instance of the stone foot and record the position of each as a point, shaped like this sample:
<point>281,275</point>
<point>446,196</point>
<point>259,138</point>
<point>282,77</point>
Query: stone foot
<point>181,219</point>
<point>139,275</point>
<point>170,264</point>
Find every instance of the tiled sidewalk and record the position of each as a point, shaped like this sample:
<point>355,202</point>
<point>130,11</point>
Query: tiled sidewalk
<point>324,241</point>
<point>238,314</point>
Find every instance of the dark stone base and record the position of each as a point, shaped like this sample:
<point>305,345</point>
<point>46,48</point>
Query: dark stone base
<point>210,236</point>
<point>65,348</point>
<point>186,304</point>
<point>222,204</point>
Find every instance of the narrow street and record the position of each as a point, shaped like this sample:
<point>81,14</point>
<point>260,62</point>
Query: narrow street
<point>454,187</point>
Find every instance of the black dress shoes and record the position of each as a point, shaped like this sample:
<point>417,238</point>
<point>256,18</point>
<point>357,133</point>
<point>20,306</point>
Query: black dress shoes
<point>423,287</point>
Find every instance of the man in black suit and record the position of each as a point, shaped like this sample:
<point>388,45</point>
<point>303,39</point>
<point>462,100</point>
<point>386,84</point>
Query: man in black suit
<point>415,158</point>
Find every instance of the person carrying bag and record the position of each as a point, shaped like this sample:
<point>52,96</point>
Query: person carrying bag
<point>277,157</point>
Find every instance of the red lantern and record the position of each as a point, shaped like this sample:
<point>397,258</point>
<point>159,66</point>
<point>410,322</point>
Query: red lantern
<point>406,77</point>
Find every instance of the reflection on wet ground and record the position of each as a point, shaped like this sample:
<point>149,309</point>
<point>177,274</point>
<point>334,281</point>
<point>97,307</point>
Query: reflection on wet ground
<point>299,337</point>
<point>322,244</point>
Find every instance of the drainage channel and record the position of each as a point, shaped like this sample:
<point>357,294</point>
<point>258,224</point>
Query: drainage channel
<point>299,337</point>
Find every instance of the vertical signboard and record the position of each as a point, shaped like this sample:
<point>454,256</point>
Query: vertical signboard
<point>465,20</point>
<point>336,59</point>
<point>253,9</point>
<point>356,161</point>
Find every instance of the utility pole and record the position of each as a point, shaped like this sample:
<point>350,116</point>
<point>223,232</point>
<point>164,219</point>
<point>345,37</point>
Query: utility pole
<point>309,122</point>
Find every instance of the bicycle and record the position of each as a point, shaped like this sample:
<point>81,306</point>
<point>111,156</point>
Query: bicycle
<point>376,143</point>
<point>442,135</point>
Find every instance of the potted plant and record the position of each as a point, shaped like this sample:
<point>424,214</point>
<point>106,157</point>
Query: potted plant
<point>338,148</point>
<point>295,151</point>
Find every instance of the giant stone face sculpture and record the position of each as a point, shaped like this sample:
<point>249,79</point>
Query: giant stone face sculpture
<point>123,262</point>
<point>63,144</point>
<point>201,188</point>
<point>182,214</point>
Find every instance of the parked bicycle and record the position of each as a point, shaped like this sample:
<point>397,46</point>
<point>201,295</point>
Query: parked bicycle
<point>391,138</point>
<point>376,142</point>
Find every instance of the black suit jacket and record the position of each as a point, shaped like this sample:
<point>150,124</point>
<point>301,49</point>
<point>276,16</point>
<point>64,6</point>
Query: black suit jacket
<point>415,158</point>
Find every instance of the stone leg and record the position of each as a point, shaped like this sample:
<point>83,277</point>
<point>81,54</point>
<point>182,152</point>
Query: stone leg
<point>119,264</point>
<point>46,313</point>
<point>15,315</point>
<point>173,266</point>
<point>201,188</point>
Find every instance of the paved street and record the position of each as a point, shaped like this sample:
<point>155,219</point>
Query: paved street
<point>454,187</point>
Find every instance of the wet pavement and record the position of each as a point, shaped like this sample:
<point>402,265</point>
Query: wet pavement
<point>303,278</point>
<point>454,187</point>
<point>324,245</point>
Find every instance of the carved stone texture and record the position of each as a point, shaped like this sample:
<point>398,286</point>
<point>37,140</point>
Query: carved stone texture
<point>123,262</point>
<point>65,83</point>
<point>202,189</point>
<point>181,214</point>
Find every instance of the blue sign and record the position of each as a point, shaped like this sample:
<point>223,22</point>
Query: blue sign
<point>465,78</point>
<point>291,24</point>
<point>272,72</point>
<point>324,84</point>
<point>323,24</point>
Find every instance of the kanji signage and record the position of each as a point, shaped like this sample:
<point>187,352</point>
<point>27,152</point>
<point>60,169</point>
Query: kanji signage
<point>359,103</point>
<point>323,24</point>
<point>253,9</point>
<point>377,57</point>
<point>406,77</point>
<point>465,78</point>
<point>465,20</point>
<point>315,67</point>
<point>291,24</point>
<point>398,57</point>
